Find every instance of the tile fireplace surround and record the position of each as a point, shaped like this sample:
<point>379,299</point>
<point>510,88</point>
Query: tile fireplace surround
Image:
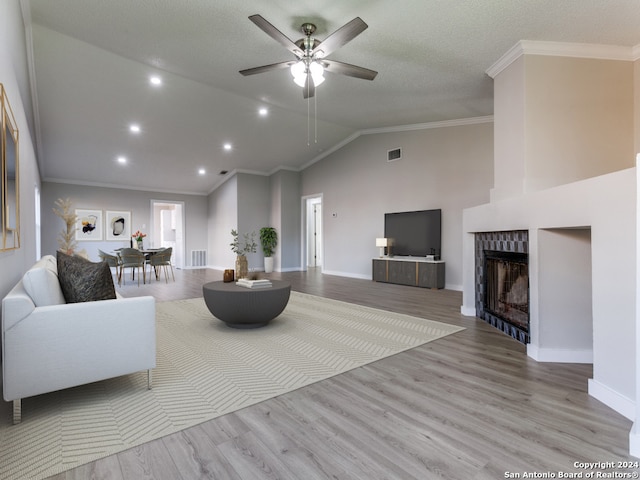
<point>516,241</point>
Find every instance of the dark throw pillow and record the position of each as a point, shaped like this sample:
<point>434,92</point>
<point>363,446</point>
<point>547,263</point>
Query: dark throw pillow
<point>84,281</point>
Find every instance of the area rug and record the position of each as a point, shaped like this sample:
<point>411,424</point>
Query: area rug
<point>205,369</point>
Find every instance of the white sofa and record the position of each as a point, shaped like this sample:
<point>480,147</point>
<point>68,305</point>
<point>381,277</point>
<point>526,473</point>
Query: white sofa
<point>49,345</point>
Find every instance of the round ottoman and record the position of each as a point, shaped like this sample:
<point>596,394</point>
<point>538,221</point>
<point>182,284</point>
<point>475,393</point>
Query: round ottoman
<point>241,307</point>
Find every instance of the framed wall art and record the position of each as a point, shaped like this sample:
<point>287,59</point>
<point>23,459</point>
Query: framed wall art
<point>118,225</point>
<point>89,225</point>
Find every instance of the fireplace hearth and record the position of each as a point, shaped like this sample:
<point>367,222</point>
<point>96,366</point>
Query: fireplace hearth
<point>502,282</point>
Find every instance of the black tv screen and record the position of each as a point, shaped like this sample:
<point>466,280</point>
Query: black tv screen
<point>414,233</point>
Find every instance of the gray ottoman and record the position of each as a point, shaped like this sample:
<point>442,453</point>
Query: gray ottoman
<point>241,307</point>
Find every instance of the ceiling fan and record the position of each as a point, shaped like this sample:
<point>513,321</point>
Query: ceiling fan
<point>310,64</point>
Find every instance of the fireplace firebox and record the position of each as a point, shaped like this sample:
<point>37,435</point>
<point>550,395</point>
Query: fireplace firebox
<point>502,281</point>
<point>507,288</point>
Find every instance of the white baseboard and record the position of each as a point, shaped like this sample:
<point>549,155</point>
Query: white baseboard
<point>347,274</point>
<point>468,311</point>
<point>559,355</point>
<point>612,399</point>
<point>634,440</point>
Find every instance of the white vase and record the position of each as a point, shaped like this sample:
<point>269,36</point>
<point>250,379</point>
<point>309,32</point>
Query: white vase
<point>268,264</point>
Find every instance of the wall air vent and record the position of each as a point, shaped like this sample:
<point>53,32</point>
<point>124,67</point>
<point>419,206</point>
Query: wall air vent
<point>393,155</point>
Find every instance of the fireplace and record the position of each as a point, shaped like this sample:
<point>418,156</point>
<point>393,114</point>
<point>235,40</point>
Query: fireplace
<point>502,281</point>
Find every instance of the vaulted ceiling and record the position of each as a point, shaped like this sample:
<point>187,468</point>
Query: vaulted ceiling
<point>92,59</point>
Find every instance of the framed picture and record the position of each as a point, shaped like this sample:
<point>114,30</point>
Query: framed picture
<point>118,225</point>
<point>89,225</point>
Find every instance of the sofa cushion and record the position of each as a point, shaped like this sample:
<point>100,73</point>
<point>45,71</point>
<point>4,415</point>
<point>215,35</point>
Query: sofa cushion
<point>41,283</point>
<point>84,281</point>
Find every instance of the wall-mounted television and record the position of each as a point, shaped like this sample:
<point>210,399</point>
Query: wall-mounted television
<point>414,233</point>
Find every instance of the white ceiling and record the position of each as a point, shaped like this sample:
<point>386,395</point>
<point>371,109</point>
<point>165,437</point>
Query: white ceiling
<point>92,60</point>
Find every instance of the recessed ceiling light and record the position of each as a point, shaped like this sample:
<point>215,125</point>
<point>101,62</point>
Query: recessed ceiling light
<point>155,80</point>
<point>134,128</point>
<point>227,146</point>
<point>202,171</point>
<point>122,160</point>
<point>263,112</point>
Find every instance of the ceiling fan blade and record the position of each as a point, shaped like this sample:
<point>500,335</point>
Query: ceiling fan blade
<point>349,70</point>
<point>309,89</point>
<point>266,68</point>
<point>344,34</point>
<point>276,34</point>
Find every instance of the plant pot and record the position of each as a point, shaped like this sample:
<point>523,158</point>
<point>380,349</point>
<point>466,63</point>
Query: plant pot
<point>268,264</point>
<point>242,267</point>
<point>139,242</point>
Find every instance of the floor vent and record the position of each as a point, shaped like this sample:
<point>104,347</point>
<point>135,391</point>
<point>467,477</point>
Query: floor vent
<point>393,155</point>
<point>198,258</point>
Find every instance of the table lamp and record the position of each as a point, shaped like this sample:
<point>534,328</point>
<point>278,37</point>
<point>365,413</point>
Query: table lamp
<point>382,243</point>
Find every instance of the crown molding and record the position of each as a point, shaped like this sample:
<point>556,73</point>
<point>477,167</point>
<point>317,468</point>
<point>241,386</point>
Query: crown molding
<point>559,49</point>
<point>429,125</point>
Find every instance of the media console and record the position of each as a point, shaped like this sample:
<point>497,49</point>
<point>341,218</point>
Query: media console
<point>414,271</point>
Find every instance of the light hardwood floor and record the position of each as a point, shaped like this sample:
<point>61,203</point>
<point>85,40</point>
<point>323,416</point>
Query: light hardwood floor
<point>469,406</point>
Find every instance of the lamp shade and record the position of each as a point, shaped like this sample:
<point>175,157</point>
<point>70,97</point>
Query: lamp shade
<point>382,242</point>
<point>317,73</point>
<point>299,73</point>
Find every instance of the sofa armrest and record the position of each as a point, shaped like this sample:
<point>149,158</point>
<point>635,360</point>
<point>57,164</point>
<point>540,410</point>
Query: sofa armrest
<point>61,346</point>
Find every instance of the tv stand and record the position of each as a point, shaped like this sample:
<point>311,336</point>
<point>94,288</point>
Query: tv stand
<point>413,271</point>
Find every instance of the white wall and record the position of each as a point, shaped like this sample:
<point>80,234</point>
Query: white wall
<point>565,297</point>
<point>450,168</point>
<point>577,123</point>
<point>606,204</point>
<point>558,118</point>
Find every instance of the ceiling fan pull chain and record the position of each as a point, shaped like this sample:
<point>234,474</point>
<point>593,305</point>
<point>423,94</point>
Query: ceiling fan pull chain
<point>308,119</point>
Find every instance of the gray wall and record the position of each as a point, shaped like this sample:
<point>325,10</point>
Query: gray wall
<point>450,168</point>
<point>285,217</point>
<point>253,211</point>
<point>137,202</point>
<point>14,77</point>
<point>222,217</point>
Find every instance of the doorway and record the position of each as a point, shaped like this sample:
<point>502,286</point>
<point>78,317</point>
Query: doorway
<point>167,228</point>
<point>313,241</point>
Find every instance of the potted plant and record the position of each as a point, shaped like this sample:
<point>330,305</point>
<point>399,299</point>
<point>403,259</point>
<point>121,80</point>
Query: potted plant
<point>241,248</point>
<point>138,236</point>
<point>268,240</point>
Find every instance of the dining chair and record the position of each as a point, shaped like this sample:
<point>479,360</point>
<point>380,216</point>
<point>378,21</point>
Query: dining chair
<point>112,260</point>
<point>161,260</point>
<point>134,259</point>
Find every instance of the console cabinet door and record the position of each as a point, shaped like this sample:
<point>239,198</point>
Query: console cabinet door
<point>402,273</point>
<point>380,270</point>
<point>431,275</point>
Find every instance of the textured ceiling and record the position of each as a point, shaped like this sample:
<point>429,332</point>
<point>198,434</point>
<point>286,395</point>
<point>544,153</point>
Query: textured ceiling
<point>93,58</point>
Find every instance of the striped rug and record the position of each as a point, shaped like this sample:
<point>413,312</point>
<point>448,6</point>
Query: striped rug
<point>205,369</point>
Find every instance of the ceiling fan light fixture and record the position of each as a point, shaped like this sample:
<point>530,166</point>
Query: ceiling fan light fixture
<point>317,73</point>
<point>299,73</point>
